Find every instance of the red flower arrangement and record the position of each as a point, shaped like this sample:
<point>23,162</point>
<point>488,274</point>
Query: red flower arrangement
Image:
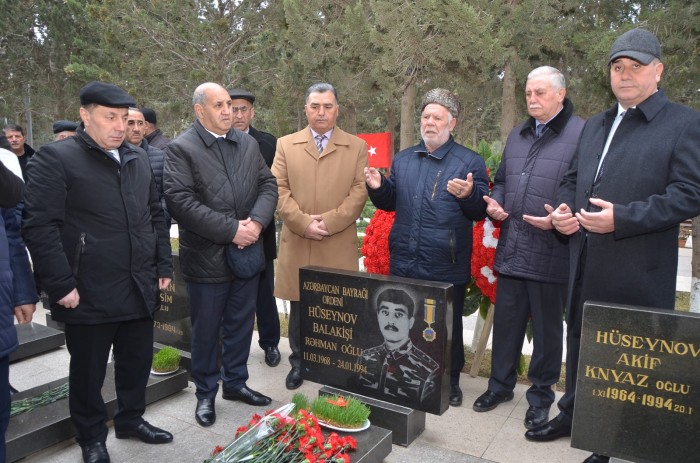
<point>375,245</point>
<point>485,239</point>
<point>278,437</point>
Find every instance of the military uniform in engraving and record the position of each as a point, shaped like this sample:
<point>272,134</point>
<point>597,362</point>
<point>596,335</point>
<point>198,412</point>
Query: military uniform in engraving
<point>406,373</point>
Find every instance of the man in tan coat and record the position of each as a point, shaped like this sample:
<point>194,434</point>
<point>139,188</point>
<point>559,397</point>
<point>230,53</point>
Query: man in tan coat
<point>322,192</point>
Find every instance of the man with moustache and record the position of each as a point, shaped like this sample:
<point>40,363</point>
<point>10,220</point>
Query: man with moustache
<point>268,318</point>
<point>532,259</point>
<point>221,193</point>
<point>321,195</point>
<point>15,135</point>
<point>95,230</point>
<point>635,177</point>
<point>135,134</point>
<point>398,368</point>
<point>437,189</point>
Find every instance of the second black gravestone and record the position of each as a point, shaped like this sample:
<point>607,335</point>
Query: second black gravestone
<point>387,338</point>
<point>637,395</point>
<point>171,324</point>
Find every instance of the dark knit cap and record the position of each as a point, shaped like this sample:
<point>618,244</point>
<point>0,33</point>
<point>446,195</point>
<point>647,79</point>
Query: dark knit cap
<point>64,126</point>
<point>104,94</point>
<point>237,93</point>
<point>637,44</point>
<point>149,115</point>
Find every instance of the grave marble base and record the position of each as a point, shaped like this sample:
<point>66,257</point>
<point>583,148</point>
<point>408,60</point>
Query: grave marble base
<point>47,425</point>
<point>404,423</point>
<point>373,445</point>
<point>36,339</point>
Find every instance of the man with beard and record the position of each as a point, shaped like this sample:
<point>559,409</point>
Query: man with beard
<point>437,189</point>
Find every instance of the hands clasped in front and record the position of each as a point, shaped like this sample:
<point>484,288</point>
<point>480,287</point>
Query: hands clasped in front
<point>567,223</point>
<point>248,233</point>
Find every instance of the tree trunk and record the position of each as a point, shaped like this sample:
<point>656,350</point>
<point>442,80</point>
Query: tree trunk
<point>695,268</point>
<point>507,102</point>
<point>391,126</point>
<point>408,104</point>
<point>350,118</point>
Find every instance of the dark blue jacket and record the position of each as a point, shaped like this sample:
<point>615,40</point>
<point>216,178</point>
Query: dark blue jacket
<point>527,179</point>
<point>432,234</point>
<point>16,280</point>
<point>156,157</point>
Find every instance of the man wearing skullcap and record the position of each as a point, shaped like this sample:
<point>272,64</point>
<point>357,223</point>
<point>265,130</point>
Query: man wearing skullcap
<point>64,129</point>
<point>154,136</point>
<point>436,189</point>
<point>95,229</point>
<point>621,208</point>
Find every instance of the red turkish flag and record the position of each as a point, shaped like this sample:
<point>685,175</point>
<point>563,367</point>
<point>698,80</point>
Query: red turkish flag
<point>378,148</point>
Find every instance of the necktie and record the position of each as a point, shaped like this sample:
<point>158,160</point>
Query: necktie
<point>319,142</point>
<point>613,129</point>
<point>539,129</point>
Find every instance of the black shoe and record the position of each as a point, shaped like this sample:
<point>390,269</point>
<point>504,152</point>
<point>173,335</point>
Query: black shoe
<point>536,416</point>
<point>146,432</point>
<point>490,400</point>
<point>205,414</point>
<point>294,379</point>
<point>552,430</point>
<point>95,453</point>
<point>246,395</point>
<point>596,458</point>
<point>272,356</point>
<point>455,395</point>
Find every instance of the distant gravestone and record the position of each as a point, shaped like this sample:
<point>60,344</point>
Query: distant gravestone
<point>390,353</point>
<point>638,390</point>
<point>171,324</point>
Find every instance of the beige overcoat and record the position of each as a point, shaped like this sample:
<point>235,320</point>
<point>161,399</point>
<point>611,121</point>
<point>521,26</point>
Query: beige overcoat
<point>330,184</point>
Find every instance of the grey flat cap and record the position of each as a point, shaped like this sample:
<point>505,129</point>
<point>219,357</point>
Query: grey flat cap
<point>64,126</point>
<point>638,44</point>
<point>442,97</point>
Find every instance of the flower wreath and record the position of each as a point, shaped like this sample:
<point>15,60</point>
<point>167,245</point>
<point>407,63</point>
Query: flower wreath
<point>375,249</point>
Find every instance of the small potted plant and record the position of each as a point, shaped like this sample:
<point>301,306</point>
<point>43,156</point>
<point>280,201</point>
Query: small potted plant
<point>165,361</point>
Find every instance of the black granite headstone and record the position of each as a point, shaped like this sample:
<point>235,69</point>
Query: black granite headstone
<point>171,324</point>
<point>36,339</point>
<point>383,337</point>
<point>637,395</point>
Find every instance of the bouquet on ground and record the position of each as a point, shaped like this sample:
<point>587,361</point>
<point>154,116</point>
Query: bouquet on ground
<point>281,437</point>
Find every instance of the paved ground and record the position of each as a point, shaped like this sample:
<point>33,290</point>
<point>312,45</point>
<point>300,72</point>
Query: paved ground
<point>460,435</point>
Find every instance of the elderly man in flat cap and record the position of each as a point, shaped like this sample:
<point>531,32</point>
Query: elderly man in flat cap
<point>64,129</point>
<point>154,136</point>
<point>437,189</point>
<point>622,208</point>
<point>95,229</point>
<point>266,313</point>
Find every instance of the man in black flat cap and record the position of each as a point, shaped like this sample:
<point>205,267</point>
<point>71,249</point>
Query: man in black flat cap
<point>621,207</point>
<point>64,129</point>
<point>154,136</point>
<point>95,229</point>
<point>266,312</point>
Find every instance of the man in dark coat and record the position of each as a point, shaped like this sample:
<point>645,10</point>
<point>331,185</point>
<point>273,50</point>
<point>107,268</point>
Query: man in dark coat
<point>135,134</point>
<point>220,192</point>
<point>437,190</point>
<point>154,136</point>
<point>17,292</point>
<point>24,152</point>
<point>532,259</point>
<point>95,229</point>
<point>635,177</point>
<point>266,312</point>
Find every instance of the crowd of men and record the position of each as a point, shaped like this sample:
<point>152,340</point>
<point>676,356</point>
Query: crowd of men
<point>98,204</point>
